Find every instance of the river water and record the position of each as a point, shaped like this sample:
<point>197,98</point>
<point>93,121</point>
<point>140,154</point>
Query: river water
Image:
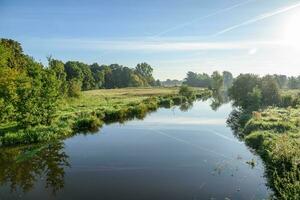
<point>171,154</point>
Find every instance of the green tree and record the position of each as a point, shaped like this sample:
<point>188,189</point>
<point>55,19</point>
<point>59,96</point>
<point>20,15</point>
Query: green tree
<point>293,82</point>
<point>197,80</point>
<point>216,81</point>
<point>242,88</point>
<point>74,88</point>
<point>281,80</point>
<point>145,71</point>
<point>28,91</point>
<point>58,68</point>
<point>270,91</point>
<point>227,80</point>
<point>255,99</point>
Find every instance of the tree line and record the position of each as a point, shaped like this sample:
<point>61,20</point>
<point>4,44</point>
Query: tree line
<point>218,80</point>
<point>76,76</point>
<point>30,91</point>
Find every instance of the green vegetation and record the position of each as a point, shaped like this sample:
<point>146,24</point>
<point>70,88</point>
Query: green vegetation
<point>92,109</point>
<point>275,135</point>
<point>269,122</point>
<point>40,104</point>
<point>216,81</point>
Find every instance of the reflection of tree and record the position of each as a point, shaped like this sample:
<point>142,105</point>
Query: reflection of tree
<point>186,106</point>
<point>218,98</point>
<point>21,166</point>
<point>237,120</point>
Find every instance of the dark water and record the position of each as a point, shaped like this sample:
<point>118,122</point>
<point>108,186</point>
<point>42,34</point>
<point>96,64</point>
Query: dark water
<point>171,154</point>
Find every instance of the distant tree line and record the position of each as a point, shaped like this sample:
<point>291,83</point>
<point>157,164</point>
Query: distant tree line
<point>29,91</point>
<point>216,81</point>
<point>79,76</point>
<point>171,83</point>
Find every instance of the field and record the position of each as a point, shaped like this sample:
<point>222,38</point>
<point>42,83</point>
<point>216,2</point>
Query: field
<point>95,99</point>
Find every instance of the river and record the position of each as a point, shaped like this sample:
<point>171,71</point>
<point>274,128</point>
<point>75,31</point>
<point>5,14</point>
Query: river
<point>171,154</point>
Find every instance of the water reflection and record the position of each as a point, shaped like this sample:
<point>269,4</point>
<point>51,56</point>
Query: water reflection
<point>182,146</point>
<point>218,99</point>
<point>186,106</point>
<point>20,167</point>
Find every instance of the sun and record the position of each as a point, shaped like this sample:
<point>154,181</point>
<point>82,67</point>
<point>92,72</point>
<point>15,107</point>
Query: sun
<point>292,31</point>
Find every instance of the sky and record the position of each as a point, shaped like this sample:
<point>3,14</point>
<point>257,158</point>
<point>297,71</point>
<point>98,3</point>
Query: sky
<point>173,36</point>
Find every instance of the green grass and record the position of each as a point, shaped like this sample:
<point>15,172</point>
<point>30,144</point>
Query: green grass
<point>275,135</point>
<point>93,108</point>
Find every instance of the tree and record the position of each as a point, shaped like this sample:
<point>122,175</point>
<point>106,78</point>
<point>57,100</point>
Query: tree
<point>73,70</point>
<point>58,68</point>
<point>197,80</point>
<point>281,80</point>
<point>28,91</point>
<point>242,88</point>
<point>216,81</point>
<point>255,99</point>
<point>227,80</point>
<point>293,82</point>
<point>81,72</point>
<point>145,71</point>
<point>270,91</point>
<point>98,73</point>
<point>74,88</point>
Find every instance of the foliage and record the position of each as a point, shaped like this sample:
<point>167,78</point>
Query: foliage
<point>197,80</point>
<point>270,91</point>
<point>186,91</point>
<point>243,87</point>
<point>29,92</point>
<point>87,123</point>
<point>274,134</point>
<point>216,81</point>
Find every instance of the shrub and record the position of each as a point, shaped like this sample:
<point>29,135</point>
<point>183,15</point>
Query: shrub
<point>87,123</point>
<point>186,91</point>
<point>166,102</point>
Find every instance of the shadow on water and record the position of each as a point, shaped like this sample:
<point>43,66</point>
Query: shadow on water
<point>20,167</point>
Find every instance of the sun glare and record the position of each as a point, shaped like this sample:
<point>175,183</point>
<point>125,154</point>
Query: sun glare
<point>292,31</point>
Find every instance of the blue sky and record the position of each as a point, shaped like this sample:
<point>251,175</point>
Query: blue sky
<point>174,36</point>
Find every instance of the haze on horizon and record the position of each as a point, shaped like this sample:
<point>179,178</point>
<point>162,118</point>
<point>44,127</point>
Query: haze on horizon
<point>256,36</point>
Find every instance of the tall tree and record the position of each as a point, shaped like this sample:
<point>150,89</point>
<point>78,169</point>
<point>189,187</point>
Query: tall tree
<point>216,81</point>
<point>145,71</point>
<point>227,80</point>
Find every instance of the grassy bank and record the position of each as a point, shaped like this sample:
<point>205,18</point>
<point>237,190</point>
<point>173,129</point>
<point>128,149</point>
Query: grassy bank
<point>274,134</point>
<point>94,108</point>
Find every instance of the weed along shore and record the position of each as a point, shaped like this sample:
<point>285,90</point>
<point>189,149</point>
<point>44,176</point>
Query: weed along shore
<point>94,108</point>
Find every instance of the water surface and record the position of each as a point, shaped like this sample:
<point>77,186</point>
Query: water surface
<point>171,154</point>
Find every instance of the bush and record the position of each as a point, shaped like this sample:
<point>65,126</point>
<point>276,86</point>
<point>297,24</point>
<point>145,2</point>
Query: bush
<point>186,91</point>
<point>74,88</point>
<point>166,102</point>
<point>87,123</point>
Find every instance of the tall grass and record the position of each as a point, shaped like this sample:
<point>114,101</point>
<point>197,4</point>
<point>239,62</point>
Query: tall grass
<point>275,135</point>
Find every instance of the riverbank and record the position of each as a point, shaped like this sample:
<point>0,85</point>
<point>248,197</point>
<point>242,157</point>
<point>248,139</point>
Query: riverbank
<point>274,134</point>
<point>94,108</point>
